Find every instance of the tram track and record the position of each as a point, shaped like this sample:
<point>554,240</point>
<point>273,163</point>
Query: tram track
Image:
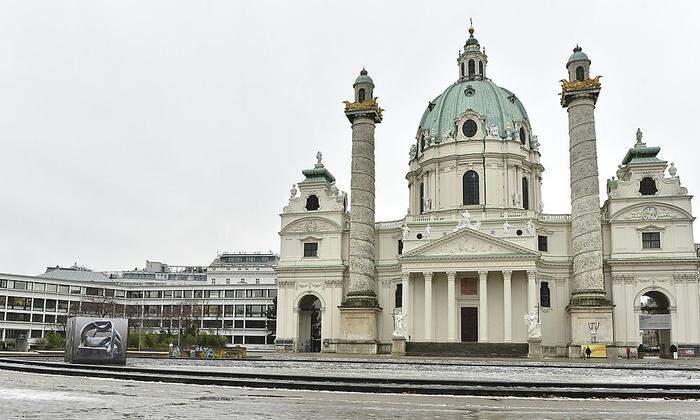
<point>336,383</point>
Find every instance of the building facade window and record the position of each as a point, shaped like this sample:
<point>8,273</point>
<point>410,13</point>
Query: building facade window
<point>580,73</point>
<point>470,188</point>
<point>481,68</point>
<point>400,244</point>
<point>471,67</point>
<point>311,249</point>
<point>312,203</point>
<point>523,136</point>
<point>361,95</point>
<point>651,240</point>
<point>647,186</point>
<point>544,295</point>
<point>526,193</point>
<point>398,296</point>
<point>542,243</point>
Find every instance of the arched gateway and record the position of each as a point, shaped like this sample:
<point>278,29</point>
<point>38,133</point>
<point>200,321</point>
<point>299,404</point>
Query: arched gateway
<point>655,323</point>
<point>309,339</point>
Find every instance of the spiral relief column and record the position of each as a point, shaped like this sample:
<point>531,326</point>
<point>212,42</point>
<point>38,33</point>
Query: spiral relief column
<point>589,306</point>
<point>358,312</point>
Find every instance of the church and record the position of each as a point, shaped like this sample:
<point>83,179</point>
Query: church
<point>476,267</point>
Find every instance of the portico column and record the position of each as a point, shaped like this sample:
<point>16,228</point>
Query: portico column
<point>531,291</point>
<point>507,317</point>
<point>428,317</point>
<point>451,327</point>
<point>483,308</point>
<point>405,303</point>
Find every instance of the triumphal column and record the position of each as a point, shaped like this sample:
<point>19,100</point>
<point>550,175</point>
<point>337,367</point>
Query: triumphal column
<point>359,310</point>
<point>591,311</point>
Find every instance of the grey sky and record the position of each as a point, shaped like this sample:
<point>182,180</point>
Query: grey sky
<point>168,130</point>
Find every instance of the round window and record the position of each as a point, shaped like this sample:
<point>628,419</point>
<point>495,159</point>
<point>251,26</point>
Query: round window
<point>469,128</point>
<point>519,232</point>
<point>522,135</point>
<point>419,236</point>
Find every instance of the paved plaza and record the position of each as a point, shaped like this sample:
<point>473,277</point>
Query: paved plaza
<point>25,395</point>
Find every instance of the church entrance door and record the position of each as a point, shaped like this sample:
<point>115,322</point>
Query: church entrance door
<point>470,324</point>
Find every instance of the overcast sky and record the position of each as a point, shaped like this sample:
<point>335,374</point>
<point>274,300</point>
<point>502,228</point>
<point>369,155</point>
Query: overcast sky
<point>170,130</point>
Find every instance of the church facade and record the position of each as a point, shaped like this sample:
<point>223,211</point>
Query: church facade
<point>476,264</point>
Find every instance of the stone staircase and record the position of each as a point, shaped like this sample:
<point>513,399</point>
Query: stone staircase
<point>466,349</point>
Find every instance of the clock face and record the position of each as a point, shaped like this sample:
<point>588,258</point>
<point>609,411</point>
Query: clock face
<point>650,213</point>
<point>469,128</point>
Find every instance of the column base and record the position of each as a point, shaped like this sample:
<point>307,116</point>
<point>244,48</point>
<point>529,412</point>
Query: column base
<point>534,347</point>
<point>582,313</point>
<point>399,346</point>
<point>358,330</point>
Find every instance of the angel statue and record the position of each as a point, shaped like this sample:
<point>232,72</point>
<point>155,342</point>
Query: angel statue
<point>506,228</point>
<point>534,327</point>
<point>406,231</point>
<point>399,323</point>
<point>428,231</point>
<point>293,191</point>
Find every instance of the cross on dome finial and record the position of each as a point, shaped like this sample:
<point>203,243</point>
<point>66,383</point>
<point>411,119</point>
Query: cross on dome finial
<point>471,27</point>
<point>577,48</point>
<point>363,72</point>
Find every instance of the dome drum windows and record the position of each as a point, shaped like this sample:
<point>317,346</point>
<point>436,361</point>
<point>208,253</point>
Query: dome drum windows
<point>526,194</point>
<point>470,188</point>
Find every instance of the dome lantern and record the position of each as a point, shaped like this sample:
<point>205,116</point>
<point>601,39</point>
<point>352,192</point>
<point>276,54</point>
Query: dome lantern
<point>472,60</point>
<point>364,86</point>
<point>578,65</point>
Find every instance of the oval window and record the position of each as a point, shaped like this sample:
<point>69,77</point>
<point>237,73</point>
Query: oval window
<point>522,136</point>
<point>469,128</point>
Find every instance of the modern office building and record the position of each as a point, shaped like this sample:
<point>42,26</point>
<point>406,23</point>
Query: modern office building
<point>231,297</point>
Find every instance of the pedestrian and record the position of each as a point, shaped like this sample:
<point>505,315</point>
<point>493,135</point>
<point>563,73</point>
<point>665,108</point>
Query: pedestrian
<point>588,352</point>
<point>628,351</point>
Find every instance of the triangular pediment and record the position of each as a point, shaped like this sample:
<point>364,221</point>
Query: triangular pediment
<point>469,242</point>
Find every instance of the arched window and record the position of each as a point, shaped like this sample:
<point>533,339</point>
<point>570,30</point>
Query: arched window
<point>526,194</point>
<point>523,136</point>
<point>470,188</point>
<point>398,294</point>
<point>579,73</point>
<point>422,197</point>
<point>461,69</point>
<point>471,68</point>
<point>469,128</point>
<point>361,95</point>
<point>481,68</point>
<point>647,186</point>
<point>544,295</point>
<point>422,144</point>
<point>312,203</point>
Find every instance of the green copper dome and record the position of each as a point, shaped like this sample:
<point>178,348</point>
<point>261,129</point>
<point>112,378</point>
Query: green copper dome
<point>499,106</point>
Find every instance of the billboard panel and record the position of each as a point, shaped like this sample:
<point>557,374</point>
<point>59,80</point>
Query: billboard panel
<point>96,340</point>
<point>655,322</point>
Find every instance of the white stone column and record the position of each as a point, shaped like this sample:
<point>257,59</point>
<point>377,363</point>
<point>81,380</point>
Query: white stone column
<point>451,326</point>
<point>405,302</point>
<point>295,329</point>
<point>410,324</point>
<point>483,308</point>
<point>428,317</point>
<point>507,314</point>
<point>531,291</point>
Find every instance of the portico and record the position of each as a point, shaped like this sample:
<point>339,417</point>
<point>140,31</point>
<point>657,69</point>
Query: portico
<point>448,305</point>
